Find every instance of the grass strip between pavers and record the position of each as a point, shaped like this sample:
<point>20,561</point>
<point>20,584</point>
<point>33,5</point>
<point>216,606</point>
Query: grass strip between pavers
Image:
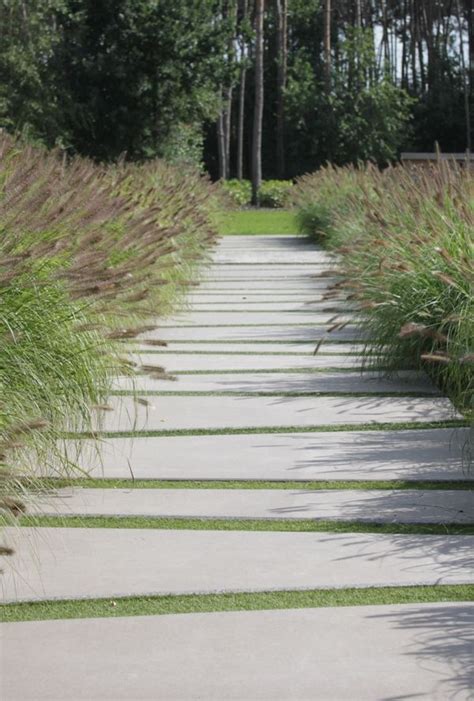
<point>276,393</point>
<point>238,524</point>
<point>356,369</point>
<point>169,351</point>
<point>244,326</point>
<point>313,485</point>
<point>251,430</point>
<point>207,603</point>
<point>253,341</point>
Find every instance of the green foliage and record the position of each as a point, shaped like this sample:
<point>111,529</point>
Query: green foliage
<point>405,241</point>
<point>184,145</point>
<point>364,118</point>
<point>273,193</point>
<point>240,191</point>
<point>109,76</point>
<point>87,254</point>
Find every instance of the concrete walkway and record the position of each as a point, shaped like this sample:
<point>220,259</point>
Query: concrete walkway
<point>251,403</point>
<point>363,653</point>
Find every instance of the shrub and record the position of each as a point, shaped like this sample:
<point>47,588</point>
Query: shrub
<point>273,193</point>
<point>404,237</point>
<point>240,191</point>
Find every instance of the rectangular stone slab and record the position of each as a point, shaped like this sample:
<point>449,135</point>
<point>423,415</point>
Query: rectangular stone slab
<point>253,348</point>
<point>379,506</point>
<point>69,563</point>
<point>222,412</point>
<point>259,296</point>
<point>299,286</point>
<point>264,256</point>
<point>415,651</point>
<point>278,241</point>
<point>287,333</point>
<point>214,305</point>
<point>228,361</point>
<point>227,318</point>
<point>422,454</point>
<point>314,271</point>
<point>280,382</point>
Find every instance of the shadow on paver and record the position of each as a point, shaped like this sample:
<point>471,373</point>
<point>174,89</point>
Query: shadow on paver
<point>439,639</point>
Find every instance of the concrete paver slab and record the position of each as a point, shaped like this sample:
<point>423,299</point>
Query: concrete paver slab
<point>266,256</point>
<point>422,454</point>
<point>223,412</point>
<point>280,382</point>
<point>300,285</point>
<point>421,651</point>
<point>63,563</point>
<point>253,348</point>
<point>316,272</point>
<point>214,305</point>
<point>287,333</point>
<point>380,506</point>
<point>228,318</point>
<point>188,362</point>
<point>259,297</point>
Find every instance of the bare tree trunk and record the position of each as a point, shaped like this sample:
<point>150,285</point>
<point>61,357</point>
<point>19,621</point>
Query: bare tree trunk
<point>414,78</point>
<point>240,124</point>
<point>327,45</point>
<point>385,38</point>
<point>227,121</point>
<point>282,35</point>
<point>241,113</point>
<point>258,105</point>
<point>358,14</point>
<point>465,75</point>
<point>221,150</point>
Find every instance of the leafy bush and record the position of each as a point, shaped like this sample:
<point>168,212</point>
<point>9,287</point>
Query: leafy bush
<point>240,191</point>
<point>404,237</point>
<point>87,255</point>
<point>273,193</point>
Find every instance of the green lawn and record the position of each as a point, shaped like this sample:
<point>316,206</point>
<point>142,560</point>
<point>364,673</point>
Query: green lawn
<point>257,221</point>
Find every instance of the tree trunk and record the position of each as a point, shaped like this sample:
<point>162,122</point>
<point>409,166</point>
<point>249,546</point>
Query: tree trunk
<point>227,120</point>
<point>358,14</point>
<point>414,79</point>
<point>327,45</point>
<point>221,150</point>
<point>241,113</point>
<point>465,75</point>
<point>240,124</point>
<point>282,36</point>
<point>258,105</point>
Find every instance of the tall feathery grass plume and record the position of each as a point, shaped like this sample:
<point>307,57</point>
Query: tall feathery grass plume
<point>405,240</point>
<point>90,257</point>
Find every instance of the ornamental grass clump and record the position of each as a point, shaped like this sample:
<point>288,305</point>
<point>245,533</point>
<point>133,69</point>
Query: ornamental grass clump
<point>88,254</point>
<point>405,241</point>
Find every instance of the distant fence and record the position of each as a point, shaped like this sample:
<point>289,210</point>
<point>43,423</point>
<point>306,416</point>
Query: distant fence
<point>428,158</point>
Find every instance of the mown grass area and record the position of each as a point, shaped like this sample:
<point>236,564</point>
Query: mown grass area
<point>257,221</point>
<point>87,254</point>
<point>405,241</point>
<point>207,603</point>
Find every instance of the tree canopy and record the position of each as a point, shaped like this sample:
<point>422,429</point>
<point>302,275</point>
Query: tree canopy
<point>342,81</point>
